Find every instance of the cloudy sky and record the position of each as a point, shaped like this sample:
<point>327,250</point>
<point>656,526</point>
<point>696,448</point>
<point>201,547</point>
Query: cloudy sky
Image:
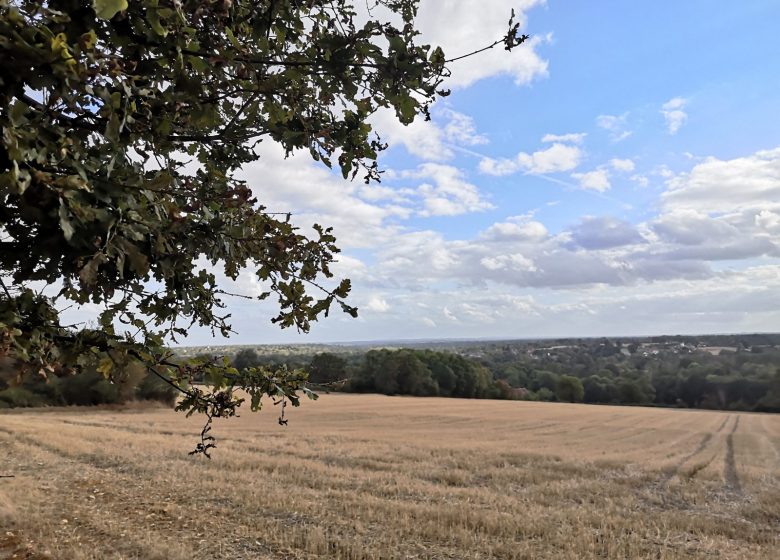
<point>618,175</point>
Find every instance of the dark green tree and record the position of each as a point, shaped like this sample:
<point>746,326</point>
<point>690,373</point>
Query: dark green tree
<point>245,358</point>
<point>599,389</point>
<point>123,126</point>
<point>545,379</point>
<point>444,376</point>
<point>569,389</point>
<point>327,367</point>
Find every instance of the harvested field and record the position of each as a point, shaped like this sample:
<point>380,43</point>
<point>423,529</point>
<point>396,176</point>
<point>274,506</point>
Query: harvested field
<point>363,476</point>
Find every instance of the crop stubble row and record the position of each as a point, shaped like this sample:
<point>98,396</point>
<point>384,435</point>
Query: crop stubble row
<point>363,476</point>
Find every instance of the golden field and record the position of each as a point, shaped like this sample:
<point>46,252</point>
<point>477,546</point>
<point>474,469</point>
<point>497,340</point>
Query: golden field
<point>365,476</point>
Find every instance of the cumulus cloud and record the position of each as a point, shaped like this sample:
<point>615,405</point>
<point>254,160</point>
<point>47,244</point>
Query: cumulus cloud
<point>673,113</point>
<point>448,193</point>
<point>514,261</point>
<point>468,25</point>
<point>596,180</point>
<point>595,252</point>
<point>768,221</point>
<point>726,185</point>
<point>376,304</point>
<point>572,137</point>
<point>692,251</point>
<point>518,228</point>
<point>429,140</point>
<point>604,233</point>
<point>699,223</point>
<point>557,158</point>
<point>687,226</point>
<point>423,139</point>
<point>314,194</point>
<point>460,129</point>
<point>626,165</point>
<point>376,193</point>
<point>616,125</point>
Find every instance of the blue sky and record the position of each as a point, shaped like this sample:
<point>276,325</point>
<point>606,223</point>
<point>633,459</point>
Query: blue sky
<point>618,175</point>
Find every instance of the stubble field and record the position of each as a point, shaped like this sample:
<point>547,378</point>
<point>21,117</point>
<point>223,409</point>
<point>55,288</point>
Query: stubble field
<point>363,476</point>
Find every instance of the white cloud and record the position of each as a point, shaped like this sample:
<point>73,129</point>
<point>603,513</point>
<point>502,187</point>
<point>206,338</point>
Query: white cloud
<point>349,267</point>
<point>596,180</point>
<point>514,261</point>
<point>616,125</point>
<point>421,138</point>
<point>768,221</point>
<point>376,304</point>
<point>557,158</point>
<point>518,228</point>
<point>572,137</point>
<point>641,180</point>
<point>626,165</point>
<point>673,113</point>
<point>460,129</point>
<point>727,185</point>
<point>605,233</point>
<point>449,194</point>
<point>429,140</point>
<point>687,226</point>
<point>376,193</point>
<point>314,194</point>
<point>462,26</point>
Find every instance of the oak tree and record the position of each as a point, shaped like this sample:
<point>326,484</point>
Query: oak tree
<point>123,126</point>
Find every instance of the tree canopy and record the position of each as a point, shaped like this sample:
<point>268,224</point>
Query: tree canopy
<point>123,126</point>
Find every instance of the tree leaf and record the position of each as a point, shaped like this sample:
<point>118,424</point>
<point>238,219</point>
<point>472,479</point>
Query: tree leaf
<point>65,224</point>
<point>107,9</point>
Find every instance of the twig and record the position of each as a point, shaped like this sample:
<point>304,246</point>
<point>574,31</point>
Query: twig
<point>5,289</point>
<point>472,53</point>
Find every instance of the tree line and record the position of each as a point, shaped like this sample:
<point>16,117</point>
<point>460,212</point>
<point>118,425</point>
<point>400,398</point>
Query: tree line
<point>86,388</point>
<point>654,372</point>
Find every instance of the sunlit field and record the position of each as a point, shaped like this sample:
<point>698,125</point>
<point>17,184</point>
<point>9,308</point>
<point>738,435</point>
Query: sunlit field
<point>356,476</point>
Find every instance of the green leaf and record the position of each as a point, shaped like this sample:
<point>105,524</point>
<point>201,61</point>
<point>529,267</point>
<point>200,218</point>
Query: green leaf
<point>17,113</point>
<point>232,38</point>
<point>112,128</point>
<point>105,367</point>
<point>106,9</point>
<point>153,17</point>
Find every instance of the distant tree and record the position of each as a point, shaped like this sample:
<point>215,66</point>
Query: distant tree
<point>770,402</point>
<point>444,376</point>
<point>629,392</point>
<point>383,372</point>
<point>693,388</point>
<point>636,391</point>
<point>245,358</point>
<point>569,389</point>
<point>414,377</point>
<point>327,367</point>
<point>544,394</point>
<point>599,389</point>
<point>666,388</point>
<point>503,389</point>
<point>515,375</point>
<point>544,380</point>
